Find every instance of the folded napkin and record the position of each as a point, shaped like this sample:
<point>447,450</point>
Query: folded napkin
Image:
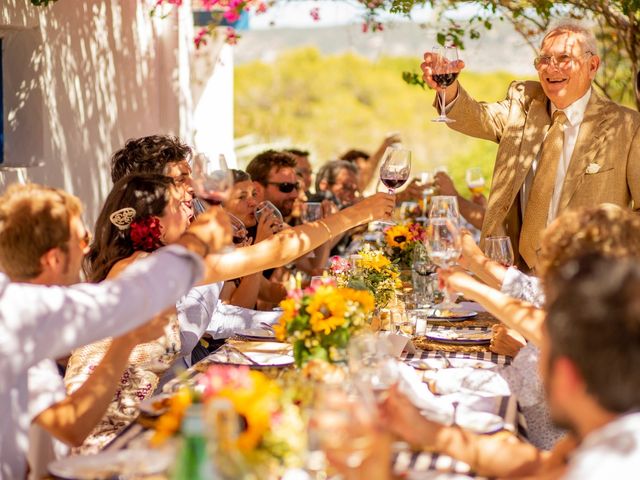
<point>434,408</point>
<point>484,383</point>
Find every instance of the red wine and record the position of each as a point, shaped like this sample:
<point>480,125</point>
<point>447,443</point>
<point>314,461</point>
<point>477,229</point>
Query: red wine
<point>237,240</point>
<point>393,182</point>
<point>444,79</point>
<point>212,199</point>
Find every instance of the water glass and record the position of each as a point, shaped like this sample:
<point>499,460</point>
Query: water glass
<point>499,249</point>
<point>444,206</point>
<point>311,211</point>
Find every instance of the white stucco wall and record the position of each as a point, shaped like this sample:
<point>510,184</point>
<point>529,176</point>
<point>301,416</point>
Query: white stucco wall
<point>82,76</point>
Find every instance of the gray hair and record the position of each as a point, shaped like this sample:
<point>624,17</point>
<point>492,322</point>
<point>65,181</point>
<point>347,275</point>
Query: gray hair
<point>575,26</point>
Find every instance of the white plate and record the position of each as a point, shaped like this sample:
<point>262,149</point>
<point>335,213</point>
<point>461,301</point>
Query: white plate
<point>460,335</point>
<point>456,315</point>
<point>156,405</point>
<point>112,464</point>
<point>256,334</point>
<point>479,422</point>
<point>438,363</point>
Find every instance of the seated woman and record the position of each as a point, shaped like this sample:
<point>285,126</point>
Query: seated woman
<point>606,230</point>
<point>245,291</point>
<point>145,211</point>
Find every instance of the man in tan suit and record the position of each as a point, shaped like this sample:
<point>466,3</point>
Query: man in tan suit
<point>561,144</point>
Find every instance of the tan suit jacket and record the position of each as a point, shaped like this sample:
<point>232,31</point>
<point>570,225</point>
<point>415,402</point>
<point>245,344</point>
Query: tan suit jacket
<point>608,136</point>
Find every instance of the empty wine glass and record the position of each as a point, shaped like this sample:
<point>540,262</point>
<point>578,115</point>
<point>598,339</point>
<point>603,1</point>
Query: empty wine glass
<point>445,206</point>
<point>475,180</point>
<point>311,211</point>
<point>421,275</point>
<point>395,169</point>
<point>499,249</point>
<point>444,247</point>
<point>211,182</point>
<point>239,230</point>
<point>267,206</point>
<point>444,74</point>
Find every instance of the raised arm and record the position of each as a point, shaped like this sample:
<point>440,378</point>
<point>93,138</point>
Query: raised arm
<point>292,243</point>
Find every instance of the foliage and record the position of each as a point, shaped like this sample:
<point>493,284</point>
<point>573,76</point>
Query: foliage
<point>320,320</point>
<point>616,24</point>
<point>330,104</point>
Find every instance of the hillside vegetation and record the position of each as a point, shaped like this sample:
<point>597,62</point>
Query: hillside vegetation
<point>329,104</point>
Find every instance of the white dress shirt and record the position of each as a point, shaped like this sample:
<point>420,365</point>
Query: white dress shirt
<point>38,322</point>
<point>612,451</point>
<point>575,115</point>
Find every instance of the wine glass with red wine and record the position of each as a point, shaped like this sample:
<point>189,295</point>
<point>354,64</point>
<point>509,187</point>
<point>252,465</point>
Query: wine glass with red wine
<point>395,169</point>
<point>444,74</point>
<point>211,182</point>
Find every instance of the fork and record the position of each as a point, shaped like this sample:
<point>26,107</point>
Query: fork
<point>230,347</point>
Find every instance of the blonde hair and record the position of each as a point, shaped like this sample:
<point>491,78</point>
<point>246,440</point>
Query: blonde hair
<point>606,230</point>
<point>33,220</point>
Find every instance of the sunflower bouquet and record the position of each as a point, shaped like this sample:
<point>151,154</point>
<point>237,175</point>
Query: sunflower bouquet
<point>400,241</point>
<point>319,321</point>
<point>270,430</point>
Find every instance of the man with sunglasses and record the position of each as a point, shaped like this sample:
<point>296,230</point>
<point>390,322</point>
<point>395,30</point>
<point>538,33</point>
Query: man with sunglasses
<point>274,175</point>
<point>562,145</point>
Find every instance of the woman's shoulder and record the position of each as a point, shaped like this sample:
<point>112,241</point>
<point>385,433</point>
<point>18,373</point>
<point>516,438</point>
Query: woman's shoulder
<point>120,265</point>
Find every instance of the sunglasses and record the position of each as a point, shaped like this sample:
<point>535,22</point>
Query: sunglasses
<point>285,187</point>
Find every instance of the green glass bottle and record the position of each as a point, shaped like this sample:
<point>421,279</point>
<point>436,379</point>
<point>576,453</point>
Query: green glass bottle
<point>193,461</point>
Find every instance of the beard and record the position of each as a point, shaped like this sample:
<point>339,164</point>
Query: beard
<point>286,207</point>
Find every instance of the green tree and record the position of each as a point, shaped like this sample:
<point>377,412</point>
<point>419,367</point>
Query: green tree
<point>617,25</point>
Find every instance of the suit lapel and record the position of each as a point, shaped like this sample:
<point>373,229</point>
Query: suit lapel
<point>508,181</point>
<point>589,138</point>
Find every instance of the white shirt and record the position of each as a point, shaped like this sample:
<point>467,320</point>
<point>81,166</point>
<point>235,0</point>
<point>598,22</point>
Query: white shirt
<point>575,115</point>
<point>38,322</point>
<point>612,451</point>
<point>46,388</point>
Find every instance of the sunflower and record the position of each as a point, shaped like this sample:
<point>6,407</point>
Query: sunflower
<point>326,310</point>
<point>399,236</point>
<point>373,260</point>
<point>361,297</point>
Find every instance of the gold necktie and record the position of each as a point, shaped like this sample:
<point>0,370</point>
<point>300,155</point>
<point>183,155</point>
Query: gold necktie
<point>537,208</point>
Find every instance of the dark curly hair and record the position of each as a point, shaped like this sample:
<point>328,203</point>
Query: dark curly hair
<point>149,154</point>
<point>148,195</point>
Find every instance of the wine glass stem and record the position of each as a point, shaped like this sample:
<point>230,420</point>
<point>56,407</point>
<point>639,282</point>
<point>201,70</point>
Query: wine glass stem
<point>443,97</point>
<point>391,191</point>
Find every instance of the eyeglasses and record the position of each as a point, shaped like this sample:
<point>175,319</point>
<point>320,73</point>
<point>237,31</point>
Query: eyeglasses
<point>562,62</point>
<point>285,187</point>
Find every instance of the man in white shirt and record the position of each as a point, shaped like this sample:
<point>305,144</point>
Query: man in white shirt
<point>38,322</point>
<point>561,144</point>
<point>589,362</point>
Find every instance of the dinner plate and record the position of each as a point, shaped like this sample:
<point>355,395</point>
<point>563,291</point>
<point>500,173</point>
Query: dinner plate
<point>156,405</point>
<point>256,334</point>
<point>451,315</point>
<point>113,464</point>
<point>460,336</point>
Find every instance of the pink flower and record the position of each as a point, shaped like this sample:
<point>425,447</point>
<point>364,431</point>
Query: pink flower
<point>201,37</point>
<point>231,16</point>
<point>365,27</point>
<point>231,37</point>
<point>218,377</point>
<point>208,4</point>
<point>261,8</point>
<point>315,14</point>
<point>339,265</point>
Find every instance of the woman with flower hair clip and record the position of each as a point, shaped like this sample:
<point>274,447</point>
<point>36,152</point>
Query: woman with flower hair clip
<point>141,214</point>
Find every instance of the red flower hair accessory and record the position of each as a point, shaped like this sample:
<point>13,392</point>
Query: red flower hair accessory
<point>146,234</point>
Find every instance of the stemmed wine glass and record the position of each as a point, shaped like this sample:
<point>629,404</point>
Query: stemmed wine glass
<point>311,211</point>
<point>444,247</point>
<point>211,183</point>
<point>444,74</point>
<point>395,169</point>
<point>239,230</point>
<point>499,249</point>
<point>426,180</point>
<point>445,206</point>
<point>475,180</point>
<point>267,206</point>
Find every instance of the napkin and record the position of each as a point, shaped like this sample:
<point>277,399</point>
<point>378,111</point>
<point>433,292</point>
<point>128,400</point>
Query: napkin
<point>473,381</point>
<point>434,408</point>
<point>398,343</point>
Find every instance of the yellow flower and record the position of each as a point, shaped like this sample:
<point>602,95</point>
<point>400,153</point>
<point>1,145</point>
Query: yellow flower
<point>398,236</point>
<point>374,260</point>
<point>362,297</point>
<point>256,404</point>
<point>326,310</point>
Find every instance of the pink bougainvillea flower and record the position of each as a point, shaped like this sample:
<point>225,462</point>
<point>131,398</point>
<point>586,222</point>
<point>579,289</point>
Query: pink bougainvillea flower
<point>315,14</point>
<point>201,37</point>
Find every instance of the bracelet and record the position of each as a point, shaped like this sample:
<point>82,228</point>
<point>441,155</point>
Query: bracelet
<point>202,243</point>
<point>322,222</point>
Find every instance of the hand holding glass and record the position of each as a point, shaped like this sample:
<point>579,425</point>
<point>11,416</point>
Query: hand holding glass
<point>500,250</point>
<point>212,183</point>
